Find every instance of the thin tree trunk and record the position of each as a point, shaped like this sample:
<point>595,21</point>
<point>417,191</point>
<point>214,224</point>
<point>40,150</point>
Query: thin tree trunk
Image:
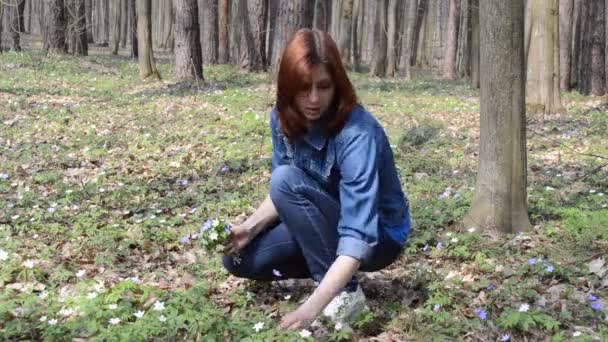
<point>147,67</point>
<point>321,15</point>
<point>356,34</point>
<point>1,17</point>
<point>211,32</point>
<point>133,16</point>
<point>474,47</point>
<point>345,29</point>
<point>380,46</point>
<point>408,37</point>
<point>500,201</point>
<point>449,63</point>
<point>418,30</point>
<point>16,23</point>
<point>124,23</point>
<point>223,32</point>
<point>78,28</point>
<point>115,23</point>
<point>391,49</point>
<point>89,20</point>
<point>565,45</point>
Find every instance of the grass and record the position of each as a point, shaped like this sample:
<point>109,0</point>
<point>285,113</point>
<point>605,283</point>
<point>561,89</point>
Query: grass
<point>104,174</point>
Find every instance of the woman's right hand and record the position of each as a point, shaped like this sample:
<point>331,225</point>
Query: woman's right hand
<point>240,236</point>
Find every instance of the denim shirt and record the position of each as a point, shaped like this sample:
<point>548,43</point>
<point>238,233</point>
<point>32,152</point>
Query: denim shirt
<point>355,166</point>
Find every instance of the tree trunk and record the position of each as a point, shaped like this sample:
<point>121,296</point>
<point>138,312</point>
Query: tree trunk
<point>542,57</point>
<point>77,31</point>
<point>292,16</point>
<point>89,19</point>
<point>380,38</point>
<point>16,22</point>
<point>223,32</point>
<point>334,23</point>
<point>1,17</point>
<point>169,39</point>
<point>500,201</point>
<point>115,23</point>
<point>356,34</point>
<point>345,29</point>
<point>462,55</point>
<point>210,26</point>
<point>474,47</point>
<point>147,67</point>
<point>133,16</point>
<point>391,49</point>
<point>449,62</point>
<point>124,23</point>
<point>593,72</point>
<point>188,54</point>
<point>408,37</point>
<point>565,43</point>
<point>57,27</point>
<point>321,15</point>
<point>254,22</point>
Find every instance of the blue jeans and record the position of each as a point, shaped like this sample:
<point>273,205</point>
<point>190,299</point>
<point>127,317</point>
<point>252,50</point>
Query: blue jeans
<point>304,243</point>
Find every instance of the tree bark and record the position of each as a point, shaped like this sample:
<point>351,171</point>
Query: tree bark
<point>565,43</point>
<point>356,34</point>
<point>89,16</point>
<point>115,23</point>
<point>254,22</point>
<point>292,16</point>
<point>188,54</point>
<point>223,32</point>
<point>210,29</point>
<point>391,37</point>
<point>381,41</point>
<point>408,37</point>
<point>474,46</point>
<point>1,17</point>
<point>593,72</point>
<point>57,28</point>
<point>133,16</point>
<point>542,57</point>
<point>346,24</point>
<point>449,62</point>
<point>17,8</point>
<point>124,23</point>
<point>147,67</point>
<point>322,15</point>
<point>78,44</point>
<point>500,201</point>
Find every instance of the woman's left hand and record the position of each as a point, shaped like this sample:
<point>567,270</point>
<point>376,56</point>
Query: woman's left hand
<point>298,319</point>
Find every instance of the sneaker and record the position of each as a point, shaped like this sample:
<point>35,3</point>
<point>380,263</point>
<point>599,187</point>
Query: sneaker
<point>346,306</point>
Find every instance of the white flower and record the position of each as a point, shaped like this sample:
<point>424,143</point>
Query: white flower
<point>339,326</point>
<point>135,279</point>
<point>213,236</point>
<point>14,217</point>
<point>162,318</point>
<point>52,321</point>
<point>28,263</point>
<point>472,230</point>
<point>3,255</point>
<point>576,334</point>
<point>114,320</point>
<point>448,234</point>
<point>592,191</point>
<point>524,307</point>
<point>287,297</point>
<point>305,333</point>
<point>258,326</point>
<point>66,312</point>
<point>112,306</point>
<point>81,273</point>
<point>43,295</point>
<point>158,306</point>
<point>454,240</point>
<point>139,314</point>
<point>50,209</point>
<point>92,295</point>
<point>43,319</point>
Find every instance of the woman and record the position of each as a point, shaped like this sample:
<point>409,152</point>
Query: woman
<point>335,204</point>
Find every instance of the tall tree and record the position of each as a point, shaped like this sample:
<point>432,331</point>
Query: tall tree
<point>1,17</point>
<point>474,47</point>
<point>391,35</point>
<point>188,55</point>
<point>565,43</point>
<point>124,22</point>
<point>133,33</point>
<point>345,29</point>
<point>356,40</point>
<point>147,67</point>
<point>500,200</point>
<point>115,23</point>
<point>449,62</point>
<point>408,37</point>
<point>380,40</point>
<point>210,32</point>
<point>292,15</point>
<point>17,26</point>
<point>56,28</point>
<point>593,65</point>
<point>223,47</point>
<point>322,14</point>
<point>77,30</point>
<point>89,19</point>
<point>254,30</point>
<point>542,56</point>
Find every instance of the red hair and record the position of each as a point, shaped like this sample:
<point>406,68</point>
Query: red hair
<point>306,50</point>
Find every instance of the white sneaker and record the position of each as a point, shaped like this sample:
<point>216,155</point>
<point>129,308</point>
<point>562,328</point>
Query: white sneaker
<point>346,306</point>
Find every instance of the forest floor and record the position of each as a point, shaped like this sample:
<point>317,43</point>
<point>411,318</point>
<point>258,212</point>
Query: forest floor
<point>105,181</point>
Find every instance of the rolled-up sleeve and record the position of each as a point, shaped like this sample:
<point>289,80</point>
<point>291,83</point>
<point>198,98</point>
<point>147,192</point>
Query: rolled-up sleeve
<point>358,224</point>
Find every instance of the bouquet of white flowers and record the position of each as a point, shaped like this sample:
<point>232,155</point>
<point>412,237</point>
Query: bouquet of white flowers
<point>214,235</point>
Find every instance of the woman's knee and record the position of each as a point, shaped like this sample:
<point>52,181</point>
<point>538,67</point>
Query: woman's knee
<point>282,179</point>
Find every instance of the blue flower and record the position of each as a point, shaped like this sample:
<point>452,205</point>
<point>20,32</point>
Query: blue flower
<point>4,176</point>
<point>481,314</point>
<point>224,169</point>
<point>456,195</point>
<point>592,298</point>
<point>490,287</point>
<point>426,247</point>
<point>532,261</point>
<point>505,337</point>
<point>207,225</point>
<point>439,245</point>
<point>276,273</point>
<point>185,239</point>
<point>549,268</point>
<point>596,306</point>
<point>436,307</point>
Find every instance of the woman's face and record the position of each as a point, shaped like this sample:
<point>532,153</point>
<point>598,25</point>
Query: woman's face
<point>315,101</point>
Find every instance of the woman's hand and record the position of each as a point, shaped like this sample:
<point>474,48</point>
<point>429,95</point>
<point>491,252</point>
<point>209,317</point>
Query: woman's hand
<point>240,236</point>
<point>299,319</point>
